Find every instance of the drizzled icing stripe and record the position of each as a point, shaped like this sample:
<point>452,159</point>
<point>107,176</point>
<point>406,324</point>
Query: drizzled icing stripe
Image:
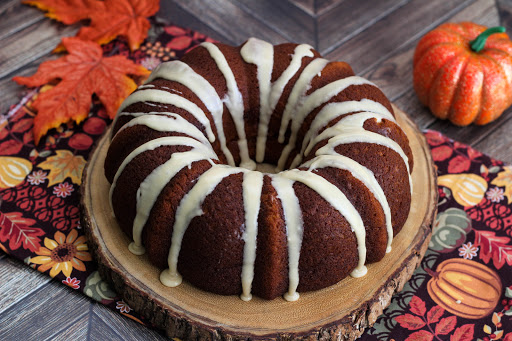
<point>153,184</point>
<point>252,186</point>
<point>151,145</point>
<point>299,89</point>
<point>182,73</point>
<point>310,102</point>
<point>190,207</point>
<point>341,136</point>
<point>294,230</point>
<point>335,110</point>
<point>355,121</point>
<point>234,103</point>
<point>164,97</point>
<point>362,174</point>
<point>293,218</point>
<point>168,123</point>
<point>261,54</point>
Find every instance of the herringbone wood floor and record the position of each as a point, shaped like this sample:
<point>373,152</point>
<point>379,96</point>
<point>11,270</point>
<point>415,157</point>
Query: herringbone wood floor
<point>377,37</point>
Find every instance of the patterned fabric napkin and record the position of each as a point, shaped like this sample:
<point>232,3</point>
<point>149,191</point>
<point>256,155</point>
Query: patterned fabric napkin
<point>467,267</point>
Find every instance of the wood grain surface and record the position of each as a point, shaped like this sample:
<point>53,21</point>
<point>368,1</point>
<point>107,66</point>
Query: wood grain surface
<point>377,36</point>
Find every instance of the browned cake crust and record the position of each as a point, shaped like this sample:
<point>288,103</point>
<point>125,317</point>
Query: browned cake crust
<point>212,251</point>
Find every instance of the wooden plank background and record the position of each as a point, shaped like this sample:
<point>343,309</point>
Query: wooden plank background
<point>377,37</point>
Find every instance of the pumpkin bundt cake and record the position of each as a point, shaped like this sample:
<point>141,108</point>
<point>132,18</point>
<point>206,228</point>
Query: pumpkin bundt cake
<point>258,169</point>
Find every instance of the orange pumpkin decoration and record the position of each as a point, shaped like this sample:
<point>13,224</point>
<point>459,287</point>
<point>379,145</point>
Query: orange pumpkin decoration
<point>465,288</point>
<point>463,72</point>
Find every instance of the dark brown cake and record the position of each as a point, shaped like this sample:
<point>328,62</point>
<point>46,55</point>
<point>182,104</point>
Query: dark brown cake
<point>185,155</point>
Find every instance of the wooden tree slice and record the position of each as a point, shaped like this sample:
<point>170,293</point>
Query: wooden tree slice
<point>341,311</point>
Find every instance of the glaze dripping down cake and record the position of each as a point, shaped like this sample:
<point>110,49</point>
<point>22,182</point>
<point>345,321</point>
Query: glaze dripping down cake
<point>258,169</point>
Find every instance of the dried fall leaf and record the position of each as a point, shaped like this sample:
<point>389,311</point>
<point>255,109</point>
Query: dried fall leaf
<point>434,314</point>
<point>421,335</point>
<point>112,18</point>
<point>108,19</point>
<point>496,318</point>
<point>82,72</point>
<point>463,333</point>
<point>62,166</point>
<point>493,247</point>
<point>417,306</point>
<point>65,11</point>
<point>410,322</point>
<point>446,325</point>
<point>19,231</point>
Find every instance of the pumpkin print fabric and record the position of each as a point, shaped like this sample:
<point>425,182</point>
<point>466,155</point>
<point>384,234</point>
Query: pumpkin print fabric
<point>40,221</point>
<point>463,287</point>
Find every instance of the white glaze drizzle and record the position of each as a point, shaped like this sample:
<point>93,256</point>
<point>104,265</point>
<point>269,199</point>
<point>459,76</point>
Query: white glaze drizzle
<point>339,201</point>
<point>234,102</point>
<point>362,174</point>
<point>310,102</point>
<point>353,122</point>
<point>299,90</point>
<point>261,54</point>
<point>182,73</point>
<point>343,134</point>
<point>169,122</point>
<point>160,96</point>
<point>252,186</point>
<point>294,230</point>
<point>189,208</point>
<point>153,184</point>
<point>334,110</point>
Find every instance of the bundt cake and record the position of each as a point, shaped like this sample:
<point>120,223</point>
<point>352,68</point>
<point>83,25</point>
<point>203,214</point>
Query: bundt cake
<point>258,169</point>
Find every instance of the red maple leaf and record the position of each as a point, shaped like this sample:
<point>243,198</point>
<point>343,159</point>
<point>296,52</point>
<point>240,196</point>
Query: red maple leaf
<point>441,153</point>
<point>434,314</point>
<point>19,231</point>
<point>493,247</point>
<point>458,164</point>
<point>435,138</point>
<point>417,306</point>
<point>108,19</point>
<point>10,147</point>
<point>410,322</point>
<point>473,153</point>
<point>463,333</point>
<point>421,335</point>
<point>446,325</point>
<point>82,72</point>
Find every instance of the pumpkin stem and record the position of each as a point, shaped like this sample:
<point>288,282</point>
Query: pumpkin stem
<point>478,44</point>
<point>432,272</point>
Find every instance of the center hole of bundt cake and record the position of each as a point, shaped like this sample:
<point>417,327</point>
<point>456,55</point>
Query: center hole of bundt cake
<point>266,168</point>
<point>277,155</point>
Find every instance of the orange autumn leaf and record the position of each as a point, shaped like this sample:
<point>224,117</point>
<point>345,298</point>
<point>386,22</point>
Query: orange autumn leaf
<point>82,73</point>
<point>127,18</point>
<point>65,11</point>
<point>108,19</point>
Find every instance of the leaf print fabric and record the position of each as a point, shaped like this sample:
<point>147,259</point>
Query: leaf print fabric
<point>40,222</point>
<point>40,186</point>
